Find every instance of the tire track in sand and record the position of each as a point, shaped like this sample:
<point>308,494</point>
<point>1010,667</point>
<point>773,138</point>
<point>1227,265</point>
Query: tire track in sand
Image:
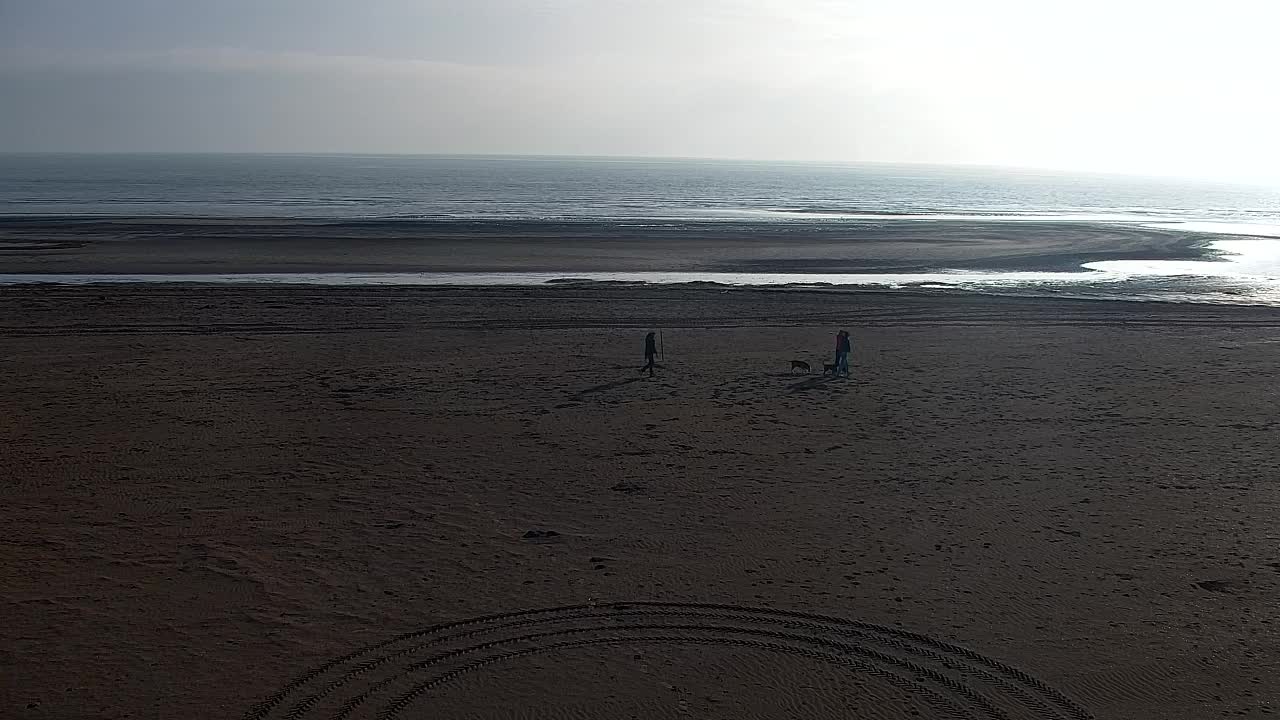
<point>397,678</point>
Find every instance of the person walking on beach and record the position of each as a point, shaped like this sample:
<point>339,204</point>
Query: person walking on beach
<point>650,352</point>
<point>842,353</point>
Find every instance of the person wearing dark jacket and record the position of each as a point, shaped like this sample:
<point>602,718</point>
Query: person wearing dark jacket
<point>843,348</point>
<point>650,352</point>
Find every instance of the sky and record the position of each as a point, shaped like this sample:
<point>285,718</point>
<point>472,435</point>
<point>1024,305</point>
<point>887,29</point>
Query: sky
<point>1153,87</point>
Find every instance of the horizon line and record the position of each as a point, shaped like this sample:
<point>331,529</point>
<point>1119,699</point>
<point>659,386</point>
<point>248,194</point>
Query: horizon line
<point>1217,180</point>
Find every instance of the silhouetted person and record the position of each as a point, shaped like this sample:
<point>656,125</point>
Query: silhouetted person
<point>842,353</point>
<point>650,352</point>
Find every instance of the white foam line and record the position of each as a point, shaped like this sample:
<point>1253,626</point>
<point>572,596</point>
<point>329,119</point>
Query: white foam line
<point>1010,217</point>
<point>1254,259</point>
<point>1265,230</point>
<point>542,278</point>
<point>1158,222</point>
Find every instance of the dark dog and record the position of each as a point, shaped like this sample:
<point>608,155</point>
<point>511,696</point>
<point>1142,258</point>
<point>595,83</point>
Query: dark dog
<point>828,368</point>
<point>801,365</point>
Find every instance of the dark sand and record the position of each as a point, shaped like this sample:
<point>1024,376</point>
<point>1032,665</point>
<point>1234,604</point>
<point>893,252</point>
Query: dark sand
<point>154,245</point>
<point>209,492</point>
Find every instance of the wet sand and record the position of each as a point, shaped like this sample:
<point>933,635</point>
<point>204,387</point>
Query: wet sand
<point>210,492</point>
<point>246,245</point>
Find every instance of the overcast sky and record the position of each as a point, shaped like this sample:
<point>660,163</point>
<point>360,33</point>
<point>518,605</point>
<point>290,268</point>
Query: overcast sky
<point>1173,87</point>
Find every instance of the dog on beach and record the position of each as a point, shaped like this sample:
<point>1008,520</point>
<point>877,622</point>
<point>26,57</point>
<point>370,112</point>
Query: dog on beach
<point>800,365</point>
<point>828,368</point>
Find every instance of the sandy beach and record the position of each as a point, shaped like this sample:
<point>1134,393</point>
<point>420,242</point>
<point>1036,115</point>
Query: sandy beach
<point>1015,508</point>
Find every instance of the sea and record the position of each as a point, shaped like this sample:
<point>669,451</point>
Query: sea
<point>1244,220</point>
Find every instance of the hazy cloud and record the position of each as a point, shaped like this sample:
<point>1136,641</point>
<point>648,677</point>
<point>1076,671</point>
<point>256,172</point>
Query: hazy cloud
<point>1132,86</point>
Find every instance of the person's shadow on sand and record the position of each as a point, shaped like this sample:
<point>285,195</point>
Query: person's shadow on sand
<point>608,386</point>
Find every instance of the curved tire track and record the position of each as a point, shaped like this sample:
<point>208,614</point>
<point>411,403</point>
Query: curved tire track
<point>387,679</point>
